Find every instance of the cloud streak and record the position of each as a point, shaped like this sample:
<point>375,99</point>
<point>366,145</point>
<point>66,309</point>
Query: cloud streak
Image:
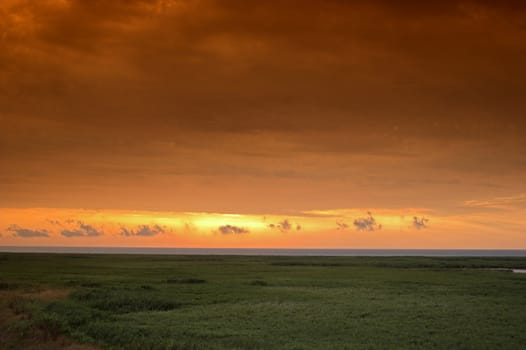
<point>231,229</point>
<point>143,231</point>
<point>504,202</point>
<point>27,233</point>
<point>82,230</point>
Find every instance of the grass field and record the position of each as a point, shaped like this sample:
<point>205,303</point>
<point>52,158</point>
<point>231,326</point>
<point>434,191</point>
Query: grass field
<point>227,302</point>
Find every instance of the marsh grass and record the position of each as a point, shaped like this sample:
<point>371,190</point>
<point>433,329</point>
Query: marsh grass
<point>123,300</point>
<point>185,280</point>
<point>259,283</point>
<point>135,302</point>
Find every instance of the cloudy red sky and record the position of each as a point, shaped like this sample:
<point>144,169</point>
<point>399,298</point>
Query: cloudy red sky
<point>263,124</point>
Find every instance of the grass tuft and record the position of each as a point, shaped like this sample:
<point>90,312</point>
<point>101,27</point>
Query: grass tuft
<point>185,280</point>
<point>259,283</point>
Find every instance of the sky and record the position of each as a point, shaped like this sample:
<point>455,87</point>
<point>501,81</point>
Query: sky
<point>270,124</point>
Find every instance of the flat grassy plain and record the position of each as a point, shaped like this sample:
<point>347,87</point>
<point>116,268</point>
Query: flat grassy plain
<point>51,301</point>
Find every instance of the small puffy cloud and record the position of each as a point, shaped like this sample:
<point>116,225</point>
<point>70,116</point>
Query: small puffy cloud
<point>82,230</point>
<point>143,230</point>
<point>72,233</point>
<point>341,226</point>
<point>89,230</point>
<point>27,233</point>
<point>231,229</point>
<point>285,226</point>
<point>367,223</point>
<point>420,223</point>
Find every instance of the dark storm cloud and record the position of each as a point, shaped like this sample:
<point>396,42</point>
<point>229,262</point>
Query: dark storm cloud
<point>27,233</point>
<point>82,230</point>
<point>420,223</point>
<point>367,223</point>
<point>143,230</point>
<point>231,229</point>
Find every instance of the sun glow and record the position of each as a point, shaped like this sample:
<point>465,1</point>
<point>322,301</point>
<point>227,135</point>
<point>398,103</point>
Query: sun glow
<point>335,228</point>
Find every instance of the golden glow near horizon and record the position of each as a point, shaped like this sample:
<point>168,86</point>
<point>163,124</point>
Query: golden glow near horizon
<point>342,228</point>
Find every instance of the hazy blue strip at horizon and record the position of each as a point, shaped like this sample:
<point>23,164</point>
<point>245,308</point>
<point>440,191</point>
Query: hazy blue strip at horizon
<point>274,252</point>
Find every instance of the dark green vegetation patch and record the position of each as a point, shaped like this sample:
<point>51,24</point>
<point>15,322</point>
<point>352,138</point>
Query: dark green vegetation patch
<point>222,302</point>
<point>124,300</point>
<point>185,280</point>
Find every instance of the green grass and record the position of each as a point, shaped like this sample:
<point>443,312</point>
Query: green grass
<point>228,302</point>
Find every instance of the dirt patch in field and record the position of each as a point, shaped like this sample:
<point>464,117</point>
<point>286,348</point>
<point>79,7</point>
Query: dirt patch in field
<point>35,337</point>
<point>48,294</point>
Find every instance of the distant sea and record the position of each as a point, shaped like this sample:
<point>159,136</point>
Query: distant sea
<point>262,252</point>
